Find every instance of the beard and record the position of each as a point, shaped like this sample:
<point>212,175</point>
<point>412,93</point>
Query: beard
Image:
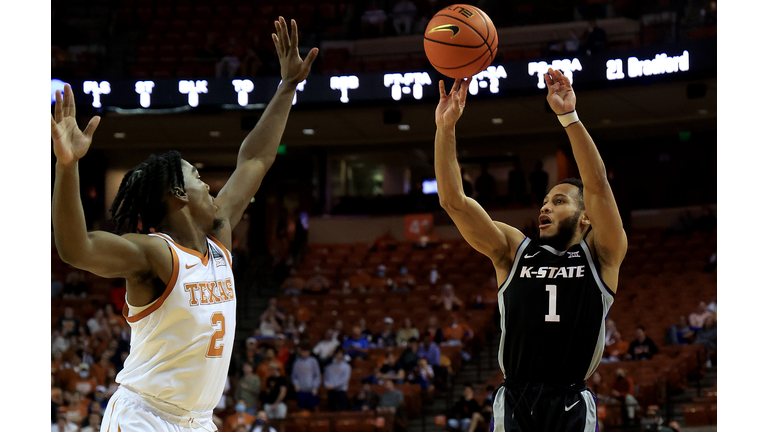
<point>565,232</point>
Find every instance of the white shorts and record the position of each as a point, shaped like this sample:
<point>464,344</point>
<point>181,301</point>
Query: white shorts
<point>127,411</point>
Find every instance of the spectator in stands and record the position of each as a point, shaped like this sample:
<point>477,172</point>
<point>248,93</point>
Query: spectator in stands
<point>390,370</point>
<point>434,275</point>
<point>64,425</point>
<point>406,332</point>
<point>229,64</point>
<point>274,393</point>
<point>457,333</point>
<point>278,313</point>
<point>293,284</point>
<point>363,324</point>
<point>392,399</point>
<point>617,350</point>
<point>366,399</point>
<point>357,345</point>
<point>76,409</point>
<point>696,319</point>
<point>712,306</point>
<point>302,312</point>
<point>268,327</point>
<point>408,358</point>
<point>424,375</point>
<point>361,280</point>
<point>623,389</point>
<point>372,21</point>
<point>248,389</point>
<point>680,334</point>
<point>292,329</point>
<point>325,348</point>
<point>261,424</point>
<point>478,304</point>
<point>387,337</point>
<point>642,348</point>
<point>93,322</point>
<point>306,378</point>
<point>68,324</point>
<point>84,383</point>
<point>318,283</point>
<point>94,423</point>
<point>708,336</point>
<point>448,300</point>
<point>338,331</point>
<point>240,417</point>
<point>99,396</point>
<point>382,243</point>
<point>405,281</point>
<point>434,331</point>
<point>336,381</point>
<point>250,355</point>
<point>74,285</point>
<point>403,14</point>
<point>465,413</point>
<point>595,38</point>
<point>264,370</point>
<point>381,283</point>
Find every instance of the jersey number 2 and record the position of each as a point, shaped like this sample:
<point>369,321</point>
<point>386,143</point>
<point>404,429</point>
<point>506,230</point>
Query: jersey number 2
<point>552,316</point>
<point>217,336</point>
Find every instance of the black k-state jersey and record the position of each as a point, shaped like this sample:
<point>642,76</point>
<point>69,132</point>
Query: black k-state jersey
<point>553,307</point>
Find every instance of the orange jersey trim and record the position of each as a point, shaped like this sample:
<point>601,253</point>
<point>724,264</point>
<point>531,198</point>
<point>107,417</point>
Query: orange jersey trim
<point>159,301</point>
<point>226,251</point>
<point>203,259</point>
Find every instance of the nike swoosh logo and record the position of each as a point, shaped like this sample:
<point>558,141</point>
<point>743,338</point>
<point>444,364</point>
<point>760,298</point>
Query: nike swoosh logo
<point>574,404</point>
<point>453,28</point>
<point>531,256</point>
<point>189,266</point>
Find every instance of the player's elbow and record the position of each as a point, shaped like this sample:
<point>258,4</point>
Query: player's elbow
<point>451,202</point>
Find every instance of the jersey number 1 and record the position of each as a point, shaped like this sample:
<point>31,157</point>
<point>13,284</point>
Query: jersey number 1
<point>217,336</point>
<point>552,316</point>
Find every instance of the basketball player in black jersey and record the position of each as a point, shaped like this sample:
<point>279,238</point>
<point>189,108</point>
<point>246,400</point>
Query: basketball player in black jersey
<point>555,291</point>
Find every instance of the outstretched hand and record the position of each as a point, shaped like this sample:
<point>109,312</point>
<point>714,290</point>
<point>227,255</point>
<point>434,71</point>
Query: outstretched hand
<point>69,143</point>
<point>452,104</point>
<point>292,68</point>
<point>560,94</point>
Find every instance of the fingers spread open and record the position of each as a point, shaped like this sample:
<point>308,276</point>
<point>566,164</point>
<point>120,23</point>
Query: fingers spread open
<point>284,39</point>
<point>66,107</point>
<point>463,92</point>
<point>310,58</point>
<point>54,129</point>
<point>91,128</point>
<point>276,40</point>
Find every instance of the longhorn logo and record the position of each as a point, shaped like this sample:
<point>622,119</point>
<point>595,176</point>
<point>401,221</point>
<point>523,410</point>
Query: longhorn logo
<point>453,28</point>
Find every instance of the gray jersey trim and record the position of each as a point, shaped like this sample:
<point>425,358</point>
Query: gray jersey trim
<point>607,302</point>
<point>590,423</point>
<point>502,309</point>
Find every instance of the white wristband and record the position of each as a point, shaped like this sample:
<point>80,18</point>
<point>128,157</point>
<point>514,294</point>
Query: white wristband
<point>568,118</point>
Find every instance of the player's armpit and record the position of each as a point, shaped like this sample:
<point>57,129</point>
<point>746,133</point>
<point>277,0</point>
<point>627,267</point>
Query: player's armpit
<point>112,256</point>
<point>609,238</point>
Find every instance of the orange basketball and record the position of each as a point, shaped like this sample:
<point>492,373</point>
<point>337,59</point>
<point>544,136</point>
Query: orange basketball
<point>460,41</point>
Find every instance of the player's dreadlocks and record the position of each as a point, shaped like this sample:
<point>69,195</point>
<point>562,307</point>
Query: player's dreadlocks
<point>142,190</point>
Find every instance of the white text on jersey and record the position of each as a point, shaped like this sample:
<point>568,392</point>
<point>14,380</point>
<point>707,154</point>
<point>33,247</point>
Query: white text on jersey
<point>554,272</point>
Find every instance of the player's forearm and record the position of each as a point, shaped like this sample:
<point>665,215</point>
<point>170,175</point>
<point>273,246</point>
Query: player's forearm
<point>262,142</point>
<point>591,167</point>
<point>447,171</point>
<point>69,229</point>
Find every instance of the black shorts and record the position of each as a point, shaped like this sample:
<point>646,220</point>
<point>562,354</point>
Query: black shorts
<point>544,408</point>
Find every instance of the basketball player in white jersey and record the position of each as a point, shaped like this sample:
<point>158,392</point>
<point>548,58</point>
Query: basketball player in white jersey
<point>180,289</point>
<point>554,291</point>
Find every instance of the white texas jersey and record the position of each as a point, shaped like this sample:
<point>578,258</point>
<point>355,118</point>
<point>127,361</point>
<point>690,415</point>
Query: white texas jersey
<point>181,344</point>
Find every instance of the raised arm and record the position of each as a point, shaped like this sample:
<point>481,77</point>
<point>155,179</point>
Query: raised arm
<point>98,252</point>
<point>493,239</point>
<point>259,149</point>
<point>608,236</point>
